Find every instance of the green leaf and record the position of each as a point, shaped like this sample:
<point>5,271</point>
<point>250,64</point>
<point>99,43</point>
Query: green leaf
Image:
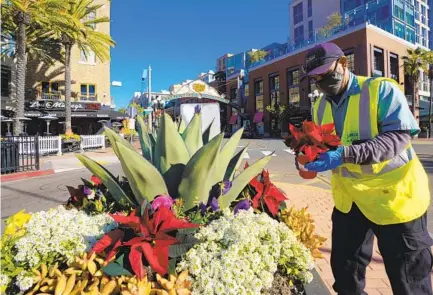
<point>192,135</point>
<point>234,164</point>
<point>107,179</point>
<point>180,249</point>
<point>144,179</point>
<point>206,133</point>
<point>197,176</point>
<point>226,155</point>
<point>116,268</point>
<point>240,182</point>
<point>113,137</point>
<point>181,127</point>
<point>170,148</point>
<point>145,141</point>
<point>172,266</point>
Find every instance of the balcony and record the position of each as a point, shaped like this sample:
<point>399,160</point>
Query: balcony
<point>53,95</point>
<point>87,97</point>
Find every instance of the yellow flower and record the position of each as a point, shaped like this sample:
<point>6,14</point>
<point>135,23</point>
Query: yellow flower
<point>15,223</point>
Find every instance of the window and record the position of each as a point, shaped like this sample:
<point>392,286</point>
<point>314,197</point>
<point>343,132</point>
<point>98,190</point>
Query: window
<point>424,37</point>
<point>417,11</point>
<point>351,4</point>
<point>50,90</point>
<point>399,29</point>
<point>299,35</point>
<point>423,15</point>
<point>293,84</point>
<point>297,14</point>
<point>393,65</point>
<point>258,90</point>
<point>310,8</point>
<point>310,30</point>
<point>274,82</point>
<point>378,63</point>
<point>410,19</point>
<point>5,80</point>
<point>350,60</point>
<point>88,92</point>
<point>247,90</point>
<point>91,17</point>
<point>88,57</point>
<point>398,12</point>
<point>410,35</point>
<point>417,32</point>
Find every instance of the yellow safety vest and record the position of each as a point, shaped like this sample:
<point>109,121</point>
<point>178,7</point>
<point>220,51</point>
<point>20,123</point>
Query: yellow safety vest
<point>390,192</point>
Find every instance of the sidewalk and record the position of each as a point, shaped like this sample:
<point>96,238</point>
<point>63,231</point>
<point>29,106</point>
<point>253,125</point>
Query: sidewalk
<point>320,204</point>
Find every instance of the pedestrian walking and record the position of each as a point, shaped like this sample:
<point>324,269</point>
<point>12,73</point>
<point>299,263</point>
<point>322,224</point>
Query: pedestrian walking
<point>379,186</point>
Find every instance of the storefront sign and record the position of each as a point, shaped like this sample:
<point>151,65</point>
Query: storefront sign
<point>51,105</point>
<point>198,95</point>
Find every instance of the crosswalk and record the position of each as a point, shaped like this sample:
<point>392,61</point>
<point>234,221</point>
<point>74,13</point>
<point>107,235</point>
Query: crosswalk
<point>261,153</point>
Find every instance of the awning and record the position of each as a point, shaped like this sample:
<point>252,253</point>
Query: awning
<point>233,119</point>
<point>115,115</point>
<point>258,117</point>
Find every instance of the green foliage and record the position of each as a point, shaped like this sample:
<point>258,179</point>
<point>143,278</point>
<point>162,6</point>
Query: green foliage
<point>416,60</point>
<point>333,21</point>
<point>169,164</point>
<point>258,55</point>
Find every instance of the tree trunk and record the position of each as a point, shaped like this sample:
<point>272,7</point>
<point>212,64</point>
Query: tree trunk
<point>68,119</point>
<point>415,101</point>
<point>21,77</point>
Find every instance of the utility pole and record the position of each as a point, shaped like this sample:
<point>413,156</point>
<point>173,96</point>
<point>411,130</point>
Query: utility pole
<point>149,93</point>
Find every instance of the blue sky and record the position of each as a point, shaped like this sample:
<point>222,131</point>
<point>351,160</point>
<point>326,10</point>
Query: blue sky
<point>181,38</point>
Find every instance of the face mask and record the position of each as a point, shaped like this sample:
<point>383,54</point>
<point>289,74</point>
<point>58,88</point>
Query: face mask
<point>331,84</point>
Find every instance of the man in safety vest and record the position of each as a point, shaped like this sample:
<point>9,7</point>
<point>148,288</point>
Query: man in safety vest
<point>379,185</point>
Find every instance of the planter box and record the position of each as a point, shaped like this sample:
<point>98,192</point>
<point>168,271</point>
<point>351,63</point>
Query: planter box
<point>317,286</point>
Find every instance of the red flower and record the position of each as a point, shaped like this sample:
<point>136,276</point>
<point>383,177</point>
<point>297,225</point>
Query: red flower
<point>96,180</point>
<point>310,141</point>
<point>151,239</point>
<point>267,192</point>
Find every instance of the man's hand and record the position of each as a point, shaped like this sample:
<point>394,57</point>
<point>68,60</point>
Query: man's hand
<point>327,161</point>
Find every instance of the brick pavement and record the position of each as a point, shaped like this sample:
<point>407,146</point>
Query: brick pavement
<point>320,204</point>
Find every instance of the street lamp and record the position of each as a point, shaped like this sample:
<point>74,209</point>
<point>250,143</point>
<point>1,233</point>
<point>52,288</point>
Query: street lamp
<point>313,97</point>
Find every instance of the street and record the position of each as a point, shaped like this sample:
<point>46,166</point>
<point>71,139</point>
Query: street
<point>48,191</point>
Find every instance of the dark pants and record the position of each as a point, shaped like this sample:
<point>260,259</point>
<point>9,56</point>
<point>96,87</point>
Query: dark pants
<point>405,249</point>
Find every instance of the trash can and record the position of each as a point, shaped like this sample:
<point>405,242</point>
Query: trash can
<point>9,157</point>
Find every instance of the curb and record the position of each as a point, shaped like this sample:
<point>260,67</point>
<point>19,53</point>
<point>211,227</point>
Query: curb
<point>25,175</point>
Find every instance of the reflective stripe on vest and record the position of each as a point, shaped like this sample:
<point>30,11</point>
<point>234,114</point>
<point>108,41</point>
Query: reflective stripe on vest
<point>365,123</point>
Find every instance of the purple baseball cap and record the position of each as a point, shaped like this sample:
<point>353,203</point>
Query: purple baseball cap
<point>320,58</point>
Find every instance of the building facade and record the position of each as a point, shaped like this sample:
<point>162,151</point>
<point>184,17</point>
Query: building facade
<point>407,19</point>
<point>307,16</point>
<point>371,51</point>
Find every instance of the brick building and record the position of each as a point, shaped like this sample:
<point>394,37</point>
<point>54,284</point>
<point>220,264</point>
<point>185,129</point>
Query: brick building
<point>371,52</point>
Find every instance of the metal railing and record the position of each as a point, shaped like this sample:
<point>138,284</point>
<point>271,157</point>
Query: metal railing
<point>19,153</point>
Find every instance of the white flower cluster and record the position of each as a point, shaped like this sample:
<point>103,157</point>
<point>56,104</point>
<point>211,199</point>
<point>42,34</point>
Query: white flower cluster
<point>240,254</point>
<point>58,235</point>
<point>4,280</point>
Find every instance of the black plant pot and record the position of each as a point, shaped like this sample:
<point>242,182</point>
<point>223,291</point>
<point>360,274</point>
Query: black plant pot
<point>317,285</point>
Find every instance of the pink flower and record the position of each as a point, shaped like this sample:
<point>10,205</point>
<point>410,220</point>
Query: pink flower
<point>162,201</point>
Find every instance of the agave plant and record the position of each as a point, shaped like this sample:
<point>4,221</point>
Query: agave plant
<point>183,165</point>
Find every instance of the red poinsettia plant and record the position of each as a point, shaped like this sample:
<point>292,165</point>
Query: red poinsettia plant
<point>309,141</point>
<point>146,237</point>
<point>267,195</point>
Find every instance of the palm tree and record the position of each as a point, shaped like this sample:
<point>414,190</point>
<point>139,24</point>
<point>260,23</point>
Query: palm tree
<point>81,32</point>
<point>414,63</point>
<point>19,17</point>
<point>430,76</point>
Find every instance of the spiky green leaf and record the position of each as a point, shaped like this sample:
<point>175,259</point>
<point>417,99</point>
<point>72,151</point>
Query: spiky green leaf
<point>240,182</point>
<point>181,127</point>
<point>145,142</point>
<point>206,133</point>
<point>170,148</point>
<point>234,164</point>
<point>144,179</point>
<point>197,176</point>
<point>113,137</point>
<point>226,155</point>
<point>192,135</point>
<point>107,179</point>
